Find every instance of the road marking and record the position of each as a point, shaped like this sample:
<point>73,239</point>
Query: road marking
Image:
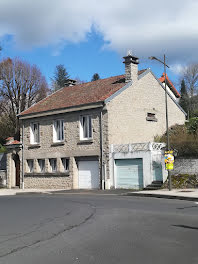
<point>196,202</point>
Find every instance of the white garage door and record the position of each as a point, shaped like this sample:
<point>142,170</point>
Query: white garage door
<point>88,175</point>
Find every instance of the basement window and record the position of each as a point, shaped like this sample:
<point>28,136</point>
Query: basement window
<point>151,117</point>
<point>41,163</point>
<point>65,164</point>
<point>53,165</point>
<point>30,164</point>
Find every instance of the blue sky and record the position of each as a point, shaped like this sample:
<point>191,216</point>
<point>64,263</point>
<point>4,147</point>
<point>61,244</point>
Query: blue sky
<point>88,36</point>
<point>81,60</point>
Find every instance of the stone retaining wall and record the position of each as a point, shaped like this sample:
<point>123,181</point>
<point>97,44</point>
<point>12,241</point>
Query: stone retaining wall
<point>48,182</point>
<point>185,166</point>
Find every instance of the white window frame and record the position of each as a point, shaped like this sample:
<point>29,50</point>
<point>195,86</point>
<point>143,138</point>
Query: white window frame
<point>65,164</point>
<point>85,123</point>
<point>30,168</point>
<point>60,137</point>
<point>41,167</point>
<point>53,165</point>
<point>34,139</point>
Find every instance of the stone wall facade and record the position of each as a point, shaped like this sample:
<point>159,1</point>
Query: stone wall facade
<point>72,148</point>
<point>186,166</point>
<point>127,112</point>
<point>47,182</point>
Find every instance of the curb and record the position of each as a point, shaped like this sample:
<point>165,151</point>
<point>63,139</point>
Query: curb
<point>162,196</point>
<point>25,193</point>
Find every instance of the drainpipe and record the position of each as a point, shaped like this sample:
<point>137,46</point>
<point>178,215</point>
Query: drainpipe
<point>22,155</point>
<point>101,153</point>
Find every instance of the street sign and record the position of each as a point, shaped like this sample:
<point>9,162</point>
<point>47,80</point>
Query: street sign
<point>169,159</point>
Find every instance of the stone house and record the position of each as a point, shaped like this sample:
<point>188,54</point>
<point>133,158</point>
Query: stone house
<point>68,136</point>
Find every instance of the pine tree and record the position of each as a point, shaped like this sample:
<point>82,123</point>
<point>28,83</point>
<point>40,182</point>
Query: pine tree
<point>184,100</point>
<point>61,77</point>
<point>95,77</point>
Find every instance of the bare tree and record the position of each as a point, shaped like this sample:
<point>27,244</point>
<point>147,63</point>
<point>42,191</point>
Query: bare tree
<point>190,76</point>
<point>21,85</point>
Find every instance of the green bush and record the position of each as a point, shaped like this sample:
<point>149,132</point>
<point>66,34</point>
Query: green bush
<point>2,149</point>
<point>182,140</point>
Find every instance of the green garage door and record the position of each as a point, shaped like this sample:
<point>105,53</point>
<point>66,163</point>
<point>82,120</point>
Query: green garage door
<point>129,173</point>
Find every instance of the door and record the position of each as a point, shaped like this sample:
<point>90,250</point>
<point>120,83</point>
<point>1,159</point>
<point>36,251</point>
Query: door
<point>17,164</point>
<point>129,173</point>
<point>17,169</point>
<point>88,175</point>
<point>157,171</point>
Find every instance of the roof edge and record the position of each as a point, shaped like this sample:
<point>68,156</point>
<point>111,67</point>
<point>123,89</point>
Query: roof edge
<point>110,98</point>
<point>63,110</point>
<point>168,93</point>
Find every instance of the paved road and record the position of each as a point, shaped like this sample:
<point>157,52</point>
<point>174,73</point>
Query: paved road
<point>77,228</point>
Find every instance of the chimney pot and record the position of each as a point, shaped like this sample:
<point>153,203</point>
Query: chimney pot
<point>131,67</point>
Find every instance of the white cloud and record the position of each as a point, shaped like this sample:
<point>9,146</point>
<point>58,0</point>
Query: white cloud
<point>177,68</point>
<point>146,27</point>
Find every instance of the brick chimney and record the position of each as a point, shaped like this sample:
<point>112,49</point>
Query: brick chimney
<point>131,67</point>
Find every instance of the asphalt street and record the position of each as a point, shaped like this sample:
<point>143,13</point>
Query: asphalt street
<point>88,228</point>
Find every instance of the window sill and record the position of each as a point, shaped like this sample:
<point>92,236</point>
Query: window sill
<point>84,141</point>
<point>34,146</point>
<point>47,174</point>
<point>60,143</point>
<point>152,119</point>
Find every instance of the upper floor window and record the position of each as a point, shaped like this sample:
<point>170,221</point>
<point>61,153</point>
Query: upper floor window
<point>58,130</point>
<point>34,133</point>
<point>85,127</point>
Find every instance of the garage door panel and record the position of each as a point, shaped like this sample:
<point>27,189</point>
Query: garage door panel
<point>88,174</point>
<point>129,173</point>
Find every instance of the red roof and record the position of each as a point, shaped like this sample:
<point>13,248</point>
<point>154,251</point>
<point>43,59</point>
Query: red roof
<point>172,87</point>
<point>14,142</point>
<point>82,94</point>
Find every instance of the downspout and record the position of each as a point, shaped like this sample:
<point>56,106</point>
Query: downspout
<point>101,154</point>
<point>22,155</point>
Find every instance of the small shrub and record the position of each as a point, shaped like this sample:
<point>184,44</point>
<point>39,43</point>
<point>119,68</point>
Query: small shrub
<point>182,181</point>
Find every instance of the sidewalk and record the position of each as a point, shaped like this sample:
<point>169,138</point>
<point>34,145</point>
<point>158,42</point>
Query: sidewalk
<point>181,194</point>
<point>4,192</point>
<point>63,191</point>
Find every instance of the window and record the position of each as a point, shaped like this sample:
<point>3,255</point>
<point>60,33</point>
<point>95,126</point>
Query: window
<point>58,130</point>
<point>151,117</point>
<point>41,163</point>
<point>53,165</point>
<point>85,127</point>
<point>34,133</point>
<point>30,164</point>
<point>65,164</point>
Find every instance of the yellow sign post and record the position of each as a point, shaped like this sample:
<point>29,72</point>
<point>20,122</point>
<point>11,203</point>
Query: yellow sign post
<point>169,159</point>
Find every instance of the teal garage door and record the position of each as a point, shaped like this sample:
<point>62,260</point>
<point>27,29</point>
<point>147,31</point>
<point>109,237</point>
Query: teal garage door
<point>129,173</point>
